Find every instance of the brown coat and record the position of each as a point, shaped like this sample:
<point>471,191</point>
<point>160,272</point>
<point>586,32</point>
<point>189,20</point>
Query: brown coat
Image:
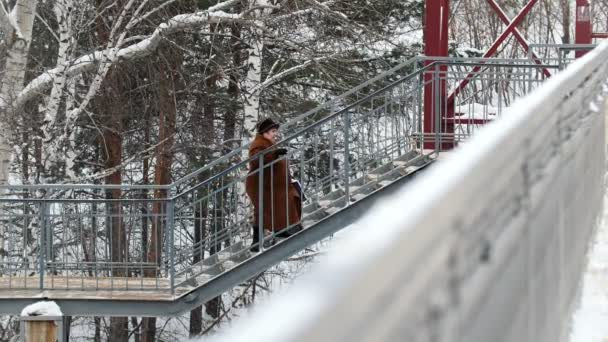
<point>281,199</point>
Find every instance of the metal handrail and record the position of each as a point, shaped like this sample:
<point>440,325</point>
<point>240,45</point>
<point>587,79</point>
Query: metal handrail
<point>301,117</point>
<point>464,61</point>
<point>306,129</point>
<point>417,73</point>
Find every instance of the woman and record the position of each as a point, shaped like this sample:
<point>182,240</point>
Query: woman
<point>281,200</point>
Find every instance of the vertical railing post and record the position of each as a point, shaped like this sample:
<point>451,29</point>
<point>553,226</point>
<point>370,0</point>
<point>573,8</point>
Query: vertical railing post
<point>48,229</point>
<point>260,222</point>
<point>171,237</point>
<point>347,157</point>
<point>437,103</point>
<point>42,250</point>
<point>420,108</point>
<point>530,82</point>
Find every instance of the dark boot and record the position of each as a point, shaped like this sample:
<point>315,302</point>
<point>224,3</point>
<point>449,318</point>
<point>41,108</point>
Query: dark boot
<point>269,242</point>
<point>285,233</point>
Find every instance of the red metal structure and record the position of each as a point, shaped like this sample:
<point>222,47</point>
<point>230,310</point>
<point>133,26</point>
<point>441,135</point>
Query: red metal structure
<point>584,26</point>
<point>584,32</point>
<point>439,115</point>
<point>436,44</point>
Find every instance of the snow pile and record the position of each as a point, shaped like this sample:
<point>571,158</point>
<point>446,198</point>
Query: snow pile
<point>42,309</point>
<point>469,52</point>
<point>589,319</point>
<point>478,111</point>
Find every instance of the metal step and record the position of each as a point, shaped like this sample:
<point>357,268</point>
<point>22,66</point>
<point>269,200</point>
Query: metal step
<point>329,204</point>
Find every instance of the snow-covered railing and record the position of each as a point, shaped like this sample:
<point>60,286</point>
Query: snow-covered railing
<point>489,245</point>
<point>558,54</point>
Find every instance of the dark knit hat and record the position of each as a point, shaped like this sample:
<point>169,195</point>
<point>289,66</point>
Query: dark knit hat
<point>266,125</point>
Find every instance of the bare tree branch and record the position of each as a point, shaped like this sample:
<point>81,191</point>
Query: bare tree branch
<point>5,25</point>
<point>141,49</point>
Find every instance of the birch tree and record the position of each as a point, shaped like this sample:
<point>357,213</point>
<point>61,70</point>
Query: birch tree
<point>18,39</point>
<point>18,24</point>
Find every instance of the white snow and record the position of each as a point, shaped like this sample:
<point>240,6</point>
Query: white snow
<point>42,309</point>
<point>479,111</point>
<point>590,317</point>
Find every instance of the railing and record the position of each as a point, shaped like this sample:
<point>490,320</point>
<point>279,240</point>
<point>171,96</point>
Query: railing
<point>84,238</point>
<point>88,237</point>
<point>478,91</point>
<point>493,247</point>
<point>560,54</point>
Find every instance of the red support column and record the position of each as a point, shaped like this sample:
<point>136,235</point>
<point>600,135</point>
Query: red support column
<point>436,45</point>
<point>583,25</point>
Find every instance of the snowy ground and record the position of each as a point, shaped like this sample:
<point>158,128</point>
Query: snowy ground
<point>590,319</point>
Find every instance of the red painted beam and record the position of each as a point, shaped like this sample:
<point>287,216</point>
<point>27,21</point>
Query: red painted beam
<point>583,34</point>
<point>435,44</point>
<point>522,41</point>
<point>599,35</point>
<point>492,50</point>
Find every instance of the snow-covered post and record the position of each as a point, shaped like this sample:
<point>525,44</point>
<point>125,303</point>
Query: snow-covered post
<point>39,323</point>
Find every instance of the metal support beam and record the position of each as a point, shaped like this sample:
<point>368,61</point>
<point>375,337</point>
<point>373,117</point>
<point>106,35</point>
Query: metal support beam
<point>436,22</point>
<point>599,35</point>
<point>492,50</point>
<point>520,38</point>
<point>439,114</point>
<point>583,34</point>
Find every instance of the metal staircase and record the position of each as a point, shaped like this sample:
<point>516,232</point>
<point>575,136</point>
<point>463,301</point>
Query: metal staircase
<point>90,252</point>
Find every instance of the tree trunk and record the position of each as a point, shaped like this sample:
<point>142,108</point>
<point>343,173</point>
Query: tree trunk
<point>196,321</point>
<point>168,73</point>
<point>233,90</point>
<point>97,333</point>
<point>113,151</point>
<point>55,151</point>
<point>254,74</point>
<point>110,106</point>
<point>216,223</point>
<point>18,43</point>
<point>566,21</point>
<point>67,324</point>
<point>136,330</point>
<point>201,212</point>
<point>113,145</point>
